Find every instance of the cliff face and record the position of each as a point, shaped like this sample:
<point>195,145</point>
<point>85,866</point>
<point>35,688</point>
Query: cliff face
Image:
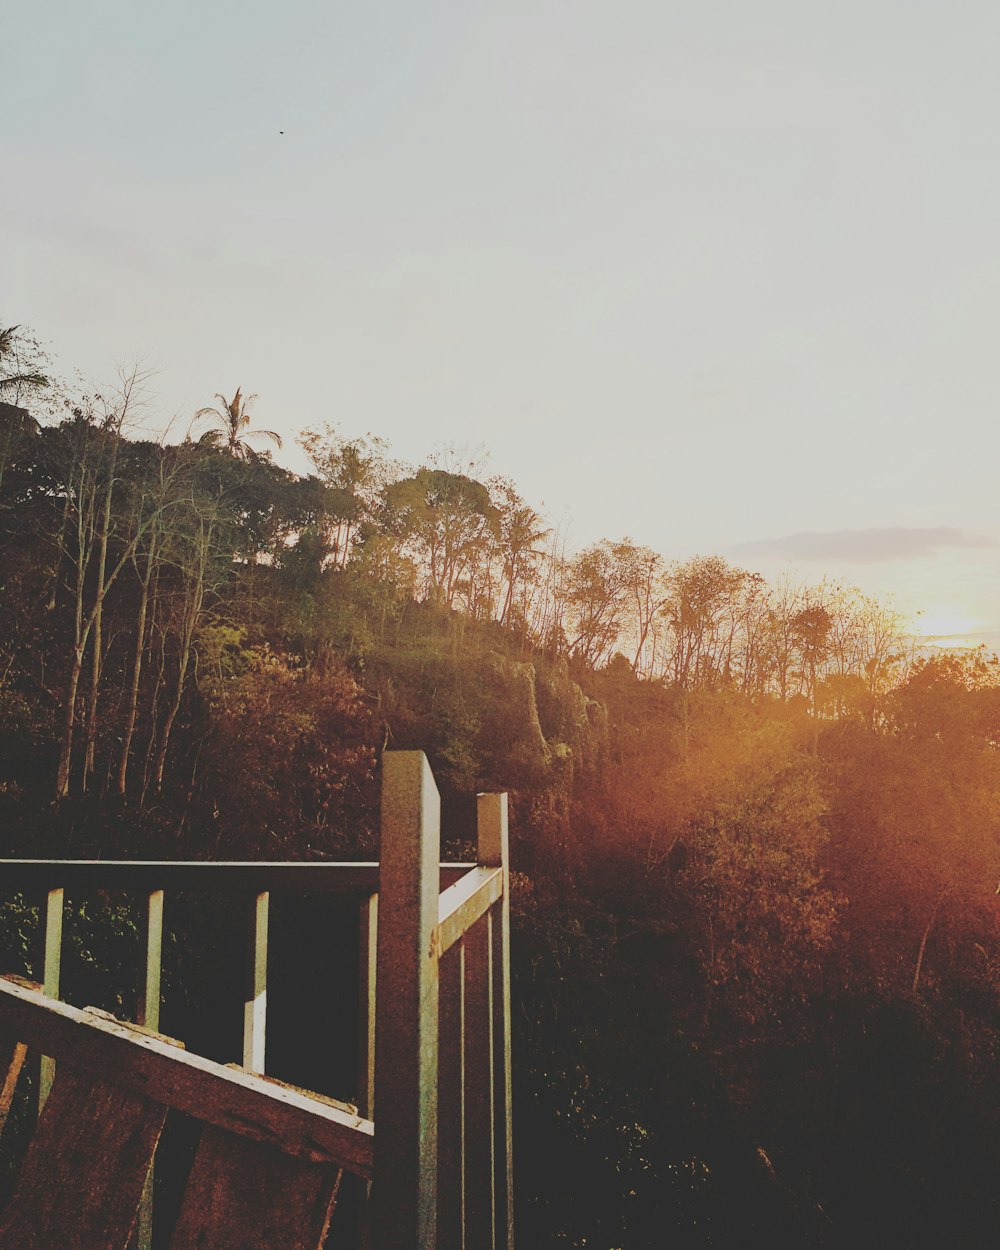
<point>540,729</point>
<point>495,723</point>
<point>512,740</point>
<point>540,734</point>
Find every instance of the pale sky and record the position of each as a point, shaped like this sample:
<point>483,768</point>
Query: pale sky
<point>723,276</point>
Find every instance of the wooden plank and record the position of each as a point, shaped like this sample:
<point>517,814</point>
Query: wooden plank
<point>143,1235</point>
<point>244,1195</point>
<point>140,1030</point>
<point>461,905</point>
<point>324,1100</point>
<point>52,961</point>
<point>14,1055</point>
<point>255,993</point>
<point>84,1172</point>
<point>194,876</point>
<point>148,1006</point>
<point>451,1102</point>
<point>493,835</point>
<point>231,1099</point>
<point>480,1201</point>
<point>406,1053</point>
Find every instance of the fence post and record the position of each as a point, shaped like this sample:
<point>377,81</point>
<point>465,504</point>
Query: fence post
<point>406,1009</point>
<point>494,852</point>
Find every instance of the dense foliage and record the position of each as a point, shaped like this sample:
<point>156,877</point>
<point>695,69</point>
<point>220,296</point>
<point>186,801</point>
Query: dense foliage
<point>756,837</point>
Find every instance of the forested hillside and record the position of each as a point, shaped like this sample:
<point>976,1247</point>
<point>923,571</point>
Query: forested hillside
<point>756,835</point>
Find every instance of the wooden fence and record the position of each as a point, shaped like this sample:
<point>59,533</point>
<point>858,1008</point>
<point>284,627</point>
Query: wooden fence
<point>434,1082</point>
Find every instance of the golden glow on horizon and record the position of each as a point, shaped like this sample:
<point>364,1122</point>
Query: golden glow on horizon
<point>948,628</point>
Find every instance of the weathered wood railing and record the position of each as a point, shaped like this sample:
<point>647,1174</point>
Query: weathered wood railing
<point>434,1017</point>
<point>266,1172</point>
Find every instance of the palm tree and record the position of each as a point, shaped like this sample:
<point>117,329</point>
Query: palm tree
<point>12,346</point>
<point>521,529</point>
<point>231,419</point>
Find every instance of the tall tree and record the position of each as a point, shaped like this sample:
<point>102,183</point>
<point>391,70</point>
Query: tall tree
<point>356,472</point>
<point>444,518</point>
<point>119,410</point>
<point>89,447</point>
<point>701,611</point>
<point>521,532</point>
<point>200,552</point>
<point>644,575</point>
<point>231,426</point>
<point>598,595</point>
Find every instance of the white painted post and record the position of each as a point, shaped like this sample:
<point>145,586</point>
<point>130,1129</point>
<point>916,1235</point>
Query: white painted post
<point>480,1102</point>
<point>494,852</point>
<point>366,1006</point>
<point>148,1015</point>
<point>255,1002</point>
<point>366,1048</point>
<point>451,1102</point>
<point>52,959</point>
<point>151,928</point>
<point>406,1009</point>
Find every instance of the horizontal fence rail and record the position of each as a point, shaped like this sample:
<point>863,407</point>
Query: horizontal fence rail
<point>465,902</point>
<point>195,876</point>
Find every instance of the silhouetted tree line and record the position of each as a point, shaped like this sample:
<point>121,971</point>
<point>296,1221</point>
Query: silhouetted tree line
<point>756,972</point>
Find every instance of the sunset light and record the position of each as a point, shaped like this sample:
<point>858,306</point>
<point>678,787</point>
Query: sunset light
<point>500,625</point>
<point>948,629</point>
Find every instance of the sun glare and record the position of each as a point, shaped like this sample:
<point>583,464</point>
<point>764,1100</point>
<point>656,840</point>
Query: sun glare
<point>948,629</point>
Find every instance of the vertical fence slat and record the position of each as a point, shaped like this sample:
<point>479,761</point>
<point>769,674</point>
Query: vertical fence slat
<point>255,999</point>
<point>451,1101</point>
<point>480,1180</point>
<point>151,928</point>
<point>51,963</point>
<point>366,1047</point>
<point>494,852</point>
<point>366,1007</point>
<point>406,1054</point>
<point>148,1015</point>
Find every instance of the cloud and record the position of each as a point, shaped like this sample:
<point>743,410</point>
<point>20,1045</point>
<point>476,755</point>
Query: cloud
<point>871,546</point>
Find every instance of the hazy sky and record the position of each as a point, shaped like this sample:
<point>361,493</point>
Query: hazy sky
<point>720,276</point>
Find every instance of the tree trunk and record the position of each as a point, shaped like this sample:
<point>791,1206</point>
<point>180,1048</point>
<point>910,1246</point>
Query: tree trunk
<point>923,942</point>
<point>194,601</point>
<point>97,653</point>
<point>69,716</point>
<point>140,640</point>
